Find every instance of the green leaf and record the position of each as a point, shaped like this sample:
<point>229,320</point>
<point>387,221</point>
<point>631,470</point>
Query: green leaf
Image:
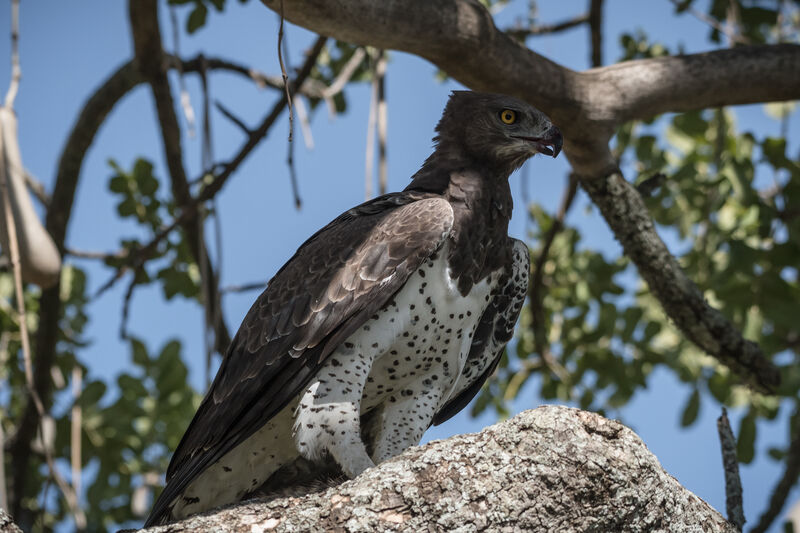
<point>745,447</point>
<point>139,352</point>
<point>170,353</point>
<point>197,18</point>
<point>92,393</point>
<point>143,174</point>
<point>777,453</point>
<point>691,409</point>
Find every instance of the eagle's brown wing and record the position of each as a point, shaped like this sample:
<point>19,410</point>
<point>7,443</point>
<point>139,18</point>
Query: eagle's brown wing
<point>335,281</point>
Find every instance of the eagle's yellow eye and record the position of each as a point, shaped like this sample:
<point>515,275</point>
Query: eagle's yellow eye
<point>508,116</point>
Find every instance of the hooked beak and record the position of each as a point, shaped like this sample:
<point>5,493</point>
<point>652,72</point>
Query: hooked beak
<point>548,144</point>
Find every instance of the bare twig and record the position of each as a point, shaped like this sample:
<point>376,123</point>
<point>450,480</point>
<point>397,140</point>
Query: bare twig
<point>142,254</point>
<point>256,286</point>
<point>714,23</point>
<point>208,316</point>
<point>310,88</point>
<point>212,315</point>
<point>88,254</point>
<point>345,73</point>
<point>16,71</point>
<point>76,425</point>
<point>305,123</point>
<point>126,307</point>
<point>298,202</point>
<point>791,474</point>
<point>521,33</point>
<point>233,118</point>
<point>369,151</point>
<point>596,31</point>
<point>733,22</point>
<point>382,119</point>
<point>733,483</point>
<point>285,77</point>
<point>36,187</point>
<point>186,103</point>
<point>261,131</point>
<point>207,147</point>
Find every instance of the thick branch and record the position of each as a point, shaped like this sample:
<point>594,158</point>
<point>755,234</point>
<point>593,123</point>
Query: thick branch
<point>648,87</point>
<point>549,469</point>
<point>460,37</point>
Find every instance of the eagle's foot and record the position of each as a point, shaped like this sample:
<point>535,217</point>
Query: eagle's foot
<point>353,461</point>
<point>325,428</point>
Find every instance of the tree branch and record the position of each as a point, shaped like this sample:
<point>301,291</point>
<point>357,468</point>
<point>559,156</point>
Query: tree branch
<point>460,37</point>
<point>521,33</point>
<point>548,469</point>
<point>791,474</point>
<point>626,214</point>
<point>152,63</point>
<point>733,483</point>
<point>596,31</point>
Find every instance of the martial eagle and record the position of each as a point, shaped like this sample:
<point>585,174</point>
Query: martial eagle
<point>387,320</point>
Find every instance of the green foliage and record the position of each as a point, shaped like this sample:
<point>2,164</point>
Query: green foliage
<point>199,11</point>
<point>728,198</point>
<point>171,263</point>
<point>129,439</point>
<point>592,338</point>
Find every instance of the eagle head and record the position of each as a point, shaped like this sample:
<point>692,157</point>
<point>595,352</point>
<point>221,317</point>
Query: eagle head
<point>499,129</point>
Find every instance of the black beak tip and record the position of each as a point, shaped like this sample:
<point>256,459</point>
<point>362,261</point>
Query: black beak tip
<point>554,136</point>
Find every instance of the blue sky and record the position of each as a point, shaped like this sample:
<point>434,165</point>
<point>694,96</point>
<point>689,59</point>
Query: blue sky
<point>68,48</point>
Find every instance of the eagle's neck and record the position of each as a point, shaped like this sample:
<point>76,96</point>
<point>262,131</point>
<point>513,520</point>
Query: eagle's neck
<point>481,199</point>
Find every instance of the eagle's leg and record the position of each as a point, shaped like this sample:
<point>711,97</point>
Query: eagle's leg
<point>327,419</point>
<point>404,421</point>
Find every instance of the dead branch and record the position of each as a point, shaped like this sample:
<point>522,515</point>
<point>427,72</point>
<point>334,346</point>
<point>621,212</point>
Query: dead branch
<point>733,483</point>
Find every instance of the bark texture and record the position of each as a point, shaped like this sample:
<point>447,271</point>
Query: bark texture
<point>7,525</point>
<point>548,469</point>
